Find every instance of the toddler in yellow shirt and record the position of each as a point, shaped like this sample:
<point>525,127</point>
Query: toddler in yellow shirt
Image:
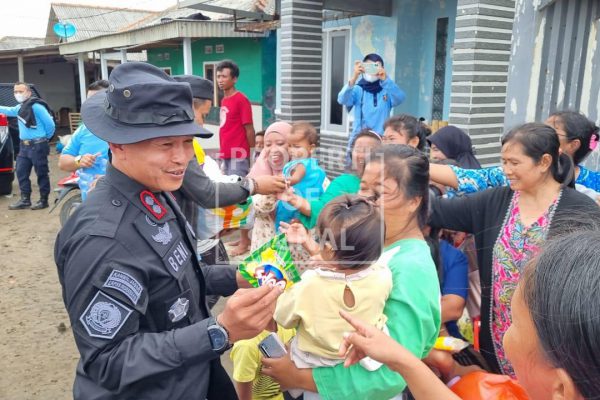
<point>350,232</point>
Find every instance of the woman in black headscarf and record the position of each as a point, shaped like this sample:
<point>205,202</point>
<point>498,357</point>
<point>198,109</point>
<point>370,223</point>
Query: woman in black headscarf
<point>452,143</point>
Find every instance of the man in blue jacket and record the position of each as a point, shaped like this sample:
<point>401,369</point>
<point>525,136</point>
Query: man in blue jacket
<point>372,95</point>
<point>36,127</point>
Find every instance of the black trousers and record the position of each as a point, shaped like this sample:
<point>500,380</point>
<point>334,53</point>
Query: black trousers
<point>33,155</point>
<point>220,386</point>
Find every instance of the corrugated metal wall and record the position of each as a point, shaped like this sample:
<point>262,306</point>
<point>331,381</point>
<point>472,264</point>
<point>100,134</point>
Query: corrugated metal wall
<point>554,64</point>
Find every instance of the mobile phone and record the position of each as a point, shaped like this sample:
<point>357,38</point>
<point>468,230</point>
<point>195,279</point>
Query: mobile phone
<point>371,68</point>
<point>272,347</point>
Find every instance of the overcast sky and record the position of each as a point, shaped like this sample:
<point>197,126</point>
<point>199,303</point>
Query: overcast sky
<point>30,17</point>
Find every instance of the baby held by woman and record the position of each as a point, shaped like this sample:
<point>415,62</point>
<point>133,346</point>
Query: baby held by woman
<point>347,277</point>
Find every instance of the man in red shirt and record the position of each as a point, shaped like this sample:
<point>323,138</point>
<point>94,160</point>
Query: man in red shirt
<point>236,130</point>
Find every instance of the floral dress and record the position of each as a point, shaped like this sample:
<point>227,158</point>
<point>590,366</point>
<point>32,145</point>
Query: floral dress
<point>515,246</point>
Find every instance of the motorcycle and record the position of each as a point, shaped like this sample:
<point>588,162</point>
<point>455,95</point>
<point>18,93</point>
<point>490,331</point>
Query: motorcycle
<point>69,189</point>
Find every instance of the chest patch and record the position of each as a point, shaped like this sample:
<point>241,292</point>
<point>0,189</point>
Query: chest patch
<point>178,256</point>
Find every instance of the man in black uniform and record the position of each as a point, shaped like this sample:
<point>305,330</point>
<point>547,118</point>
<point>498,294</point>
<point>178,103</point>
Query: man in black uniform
<point>132,286</point>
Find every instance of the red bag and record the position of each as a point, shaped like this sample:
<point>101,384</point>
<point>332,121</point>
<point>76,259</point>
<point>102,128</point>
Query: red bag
<point>486,386</point>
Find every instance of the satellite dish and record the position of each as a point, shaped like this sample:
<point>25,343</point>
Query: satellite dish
<point>64,29</point>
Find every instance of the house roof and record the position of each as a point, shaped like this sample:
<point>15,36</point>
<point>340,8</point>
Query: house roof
<point>166,32</point>
<point>17,42</point>
<point>175,13</point>
<point>91,21</point>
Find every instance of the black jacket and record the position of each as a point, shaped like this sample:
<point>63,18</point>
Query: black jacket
<point>483,214</point>
<point>135,294</point>
<point>26,114</point>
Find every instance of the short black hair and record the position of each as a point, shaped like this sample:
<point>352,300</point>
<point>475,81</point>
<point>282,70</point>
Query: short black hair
<point>233,68</point>
<point>354,229</point>
<point>98,85</point>
<point>260,133</point>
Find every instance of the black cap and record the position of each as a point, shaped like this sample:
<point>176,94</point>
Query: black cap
<point>142,102</point>
<point>201,88</point>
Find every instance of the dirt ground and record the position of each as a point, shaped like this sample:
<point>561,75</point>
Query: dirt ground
<point>37,351</point>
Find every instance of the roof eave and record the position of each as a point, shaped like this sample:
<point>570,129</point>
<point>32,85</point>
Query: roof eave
<point>46,50</point>
<point>176,29</point>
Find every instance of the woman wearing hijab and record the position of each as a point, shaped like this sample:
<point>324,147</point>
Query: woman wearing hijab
<point>372,94</point>
<point>452,143</point>
<point>270,162</point>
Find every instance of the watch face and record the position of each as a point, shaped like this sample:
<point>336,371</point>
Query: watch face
<point>217,338</point>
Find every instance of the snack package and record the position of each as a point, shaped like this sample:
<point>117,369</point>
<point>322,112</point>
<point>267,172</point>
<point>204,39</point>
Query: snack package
<point>449,343</point>
<point>271,264</point>
<point>212,221</point>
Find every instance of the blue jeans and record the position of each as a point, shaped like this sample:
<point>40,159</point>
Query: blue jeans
<point>33,155</point>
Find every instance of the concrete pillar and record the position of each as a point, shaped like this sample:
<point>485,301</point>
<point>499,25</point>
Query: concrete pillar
<point>301,35</point>
<point>103,65</point>
<point>187,56</point>
<point>300,42</point>
<point>482,47</point>
<point>123,56</point>
<point>82,80</point>
<point>21,68</point>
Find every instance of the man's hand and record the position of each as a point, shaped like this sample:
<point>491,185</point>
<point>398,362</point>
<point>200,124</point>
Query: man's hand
<point>267,184</point>
<point>88,160</point>
<point>358,69</point>
<point>249,311</point>
<point>242,283</point>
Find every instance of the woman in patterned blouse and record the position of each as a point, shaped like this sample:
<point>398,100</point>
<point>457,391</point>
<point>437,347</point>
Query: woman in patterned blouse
<point>511,223</point>
<point>577,135</point>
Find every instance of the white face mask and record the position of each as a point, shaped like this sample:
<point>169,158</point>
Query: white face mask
<point>21,97</point>
<point>370,77</point>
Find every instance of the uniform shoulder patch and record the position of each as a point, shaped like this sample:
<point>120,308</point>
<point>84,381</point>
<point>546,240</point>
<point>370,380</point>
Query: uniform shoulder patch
<point>104,316</point>
<point>124,283</point>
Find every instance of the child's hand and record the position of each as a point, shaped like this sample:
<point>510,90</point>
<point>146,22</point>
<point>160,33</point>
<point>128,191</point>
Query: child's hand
<point>287,195</point>
<point>295,233</point>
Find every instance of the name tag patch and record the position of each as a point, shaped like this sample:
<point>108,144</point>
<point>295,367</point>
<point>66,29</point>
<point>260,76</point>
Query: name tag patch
<point>178,256</point>
<point>104,316</point>
<point>126,284</point>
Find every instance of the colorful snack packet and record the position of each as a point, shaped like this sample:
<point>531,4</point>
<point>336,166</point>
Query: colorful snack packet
<point>271,264</point>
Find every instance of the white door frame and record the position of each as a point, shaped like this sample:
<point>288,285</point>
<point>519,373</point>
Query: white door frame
<point>328,33</point>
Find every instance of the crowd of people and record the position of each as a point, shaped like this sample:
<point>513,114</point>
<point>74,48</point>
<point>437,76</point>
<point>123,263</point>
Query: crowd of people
<point>413,243</point>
